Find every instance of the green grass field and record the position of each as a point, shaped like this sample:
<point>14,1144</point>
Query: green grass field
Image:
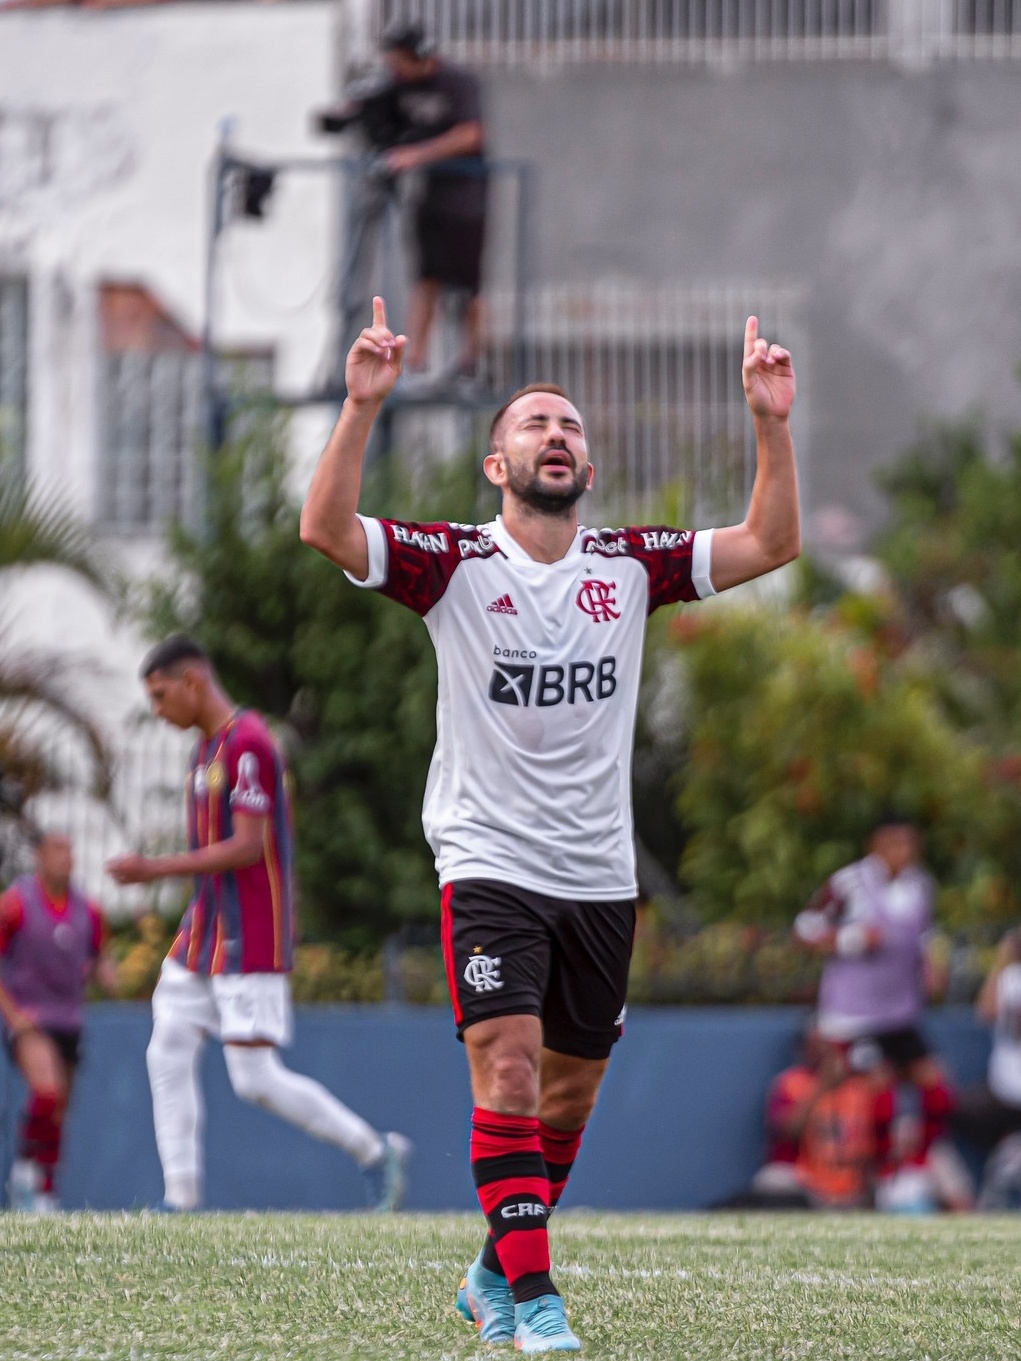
<point>759,1288</point>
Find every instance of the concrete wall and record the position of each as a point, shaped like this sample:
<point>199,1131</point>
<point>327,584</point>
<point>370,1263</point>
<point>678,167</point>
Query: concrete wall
<point>891,196</point>
<point>678,1125</point>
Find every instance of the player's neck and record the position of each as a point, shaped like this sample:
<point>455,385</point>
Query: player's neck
<point>216,712</point>
<point>545,538</point>
<point>56,892</point>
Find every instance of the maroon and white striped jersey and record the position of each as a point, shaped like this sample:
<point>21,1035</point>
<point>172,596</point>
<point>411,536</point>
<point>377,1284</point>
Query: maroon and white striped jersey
<point>539,667</point>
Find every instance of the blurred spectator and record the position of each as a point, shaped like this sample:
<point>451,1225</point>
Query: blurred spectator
<point>827,1125</point>
<point>988,1115</point>
<point>872,921</point>
<point>426,114</point>
<point>51,943</point>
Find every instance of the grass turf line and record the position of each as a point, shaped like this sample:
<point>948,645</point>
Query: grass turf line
<point>638,1287</point>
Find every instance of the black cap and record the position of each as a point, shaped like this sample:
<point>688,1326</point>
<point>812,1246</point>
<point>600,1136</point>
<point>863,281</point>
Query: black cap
<point>406,38</point>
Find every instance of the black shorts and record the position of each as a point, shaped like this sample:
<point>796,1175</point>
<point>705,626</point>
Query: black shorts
<point>68,1042</point>
<point>449,248</point>
<point>901,1047</point>
<point>511,952</point>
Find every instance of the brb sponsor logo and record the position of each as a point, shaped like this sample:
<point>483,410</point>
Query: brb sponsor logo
<point>523,683</point>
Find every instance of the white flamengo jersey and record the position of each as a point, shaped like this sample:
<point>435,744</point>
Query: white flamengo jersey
<point>539,667</point>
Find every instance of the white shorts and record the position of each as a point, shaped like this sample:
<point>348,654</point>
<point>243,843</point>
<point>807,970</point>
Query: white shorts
<point>233,1007</point>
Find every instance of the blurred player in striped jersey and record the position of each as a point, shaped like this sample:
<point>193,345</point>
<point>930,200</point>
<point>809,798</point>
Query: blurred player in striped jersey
<point>226,973</point>
<point>51,944</point>
<point>538,625</point>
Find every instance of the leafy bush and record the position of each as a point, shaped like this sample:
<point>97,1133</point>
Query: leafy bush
<point>802,732</point>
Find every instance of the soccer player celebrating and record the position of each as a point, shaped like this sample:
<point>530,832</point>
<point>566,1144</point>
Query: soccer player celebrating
<point>51,944</point>
<point>226,973</point>
<point>538,625</point>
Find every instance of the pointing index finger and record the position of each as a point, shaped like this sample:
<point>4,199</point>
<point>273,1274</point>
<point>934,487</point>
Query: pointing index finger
<point>378,312</point>
<point>751,334</point>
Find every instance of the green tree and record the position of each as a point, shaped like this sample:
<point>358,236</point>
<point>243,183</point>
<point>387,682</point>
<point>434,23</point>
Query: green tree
<point>348,676</point>
<point>802,731</point>
<point>951,550</point>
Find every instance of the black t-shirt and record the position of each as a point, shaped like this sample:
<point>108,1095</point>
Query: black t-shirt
<point>430,107</point>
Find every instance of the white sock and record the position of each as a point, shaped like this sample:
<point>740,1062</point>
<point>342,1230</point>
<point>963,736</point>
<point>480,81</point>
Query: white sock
<point>177,1110</point>
<point>257,1075</point>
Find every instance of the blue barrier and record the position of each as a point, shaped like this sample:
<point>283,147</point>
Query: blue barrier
<point>678,1126</point>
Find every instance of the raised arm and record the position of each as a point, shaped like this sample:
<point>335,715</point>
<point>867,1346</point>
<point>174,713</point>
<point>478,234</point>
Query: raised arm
<point>770,534</point>
<point>329,522</point>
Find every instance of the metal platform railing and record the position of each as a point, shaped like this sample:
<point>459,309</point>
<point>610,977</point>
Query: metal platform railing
<point>705,32</point>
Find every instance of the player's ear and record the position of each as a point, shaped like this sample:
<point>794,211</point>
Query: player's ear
<point>591,476</point>
<point>494,468</point>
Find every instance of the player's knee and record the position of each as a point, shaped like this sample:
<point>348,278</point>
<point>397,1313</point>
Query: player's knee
<point>251,1071</point>
<point>513,1081</point>
<point>566,1110</point>
<point>567,1103</point>
<point>170,1046</point>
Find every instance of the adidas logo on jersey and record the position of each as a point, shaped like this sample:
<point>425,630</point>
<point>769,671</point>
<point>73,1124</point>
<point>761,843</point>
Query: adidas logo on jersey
<point>504,605</point>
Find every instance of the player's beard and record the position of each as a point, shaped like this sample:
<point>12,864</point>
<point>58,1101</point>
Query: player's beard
<point>555,500</point>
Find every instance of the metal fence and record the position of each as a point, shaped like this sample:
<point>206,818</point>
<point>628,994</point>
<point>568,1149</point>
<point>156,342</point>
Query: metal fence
<point>656,374</point>
<point>145,811</point>
<point>699,32</point>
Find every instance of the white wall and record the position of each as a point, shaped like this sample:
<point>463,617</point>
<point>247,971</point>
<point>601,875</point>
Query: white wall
<point>108,125</point>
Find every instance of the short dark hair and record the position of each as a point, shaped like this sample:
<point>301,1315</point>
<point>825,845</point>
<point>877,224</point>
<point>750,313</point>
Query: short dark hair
<point>554,388</point>
<point>892,817</point>
<point>171,653</point>
<point>403,37</point>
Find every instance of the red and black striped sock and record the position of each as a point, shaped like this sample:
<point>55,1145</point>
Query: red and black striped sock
<point>513,1189</point>
<point>40,1135</point>
<point>559,1151</point>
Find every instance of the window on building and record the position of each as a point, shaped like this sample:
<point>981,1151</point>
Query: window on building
<point>13,373</point>
<point>149,410</point>
<point>151,471</point>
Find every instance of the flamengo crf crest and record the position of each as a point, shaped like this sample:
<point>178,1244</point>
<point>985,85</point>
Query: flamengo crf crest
<point>596,598</point>
<point>482,972</point>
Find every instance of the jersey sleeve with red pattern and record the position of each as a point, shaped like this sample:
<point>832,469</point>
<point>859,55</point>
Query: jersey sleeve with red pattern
<point>829,902</point>
<point>422,559</point>
<point>665,553</point>
<point>251,769</point>
<point>12,913</point>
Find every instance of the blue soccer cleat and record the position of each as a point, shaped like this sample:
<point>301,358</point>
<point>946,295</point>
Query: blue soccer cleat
<point>484,1298</point>
<point>541,1326</point>
<point>387,1178</point>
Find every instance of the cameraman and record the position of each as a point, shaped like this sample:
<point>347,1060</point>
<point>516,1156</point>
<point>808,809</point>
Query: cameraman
<point>423,116</point>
